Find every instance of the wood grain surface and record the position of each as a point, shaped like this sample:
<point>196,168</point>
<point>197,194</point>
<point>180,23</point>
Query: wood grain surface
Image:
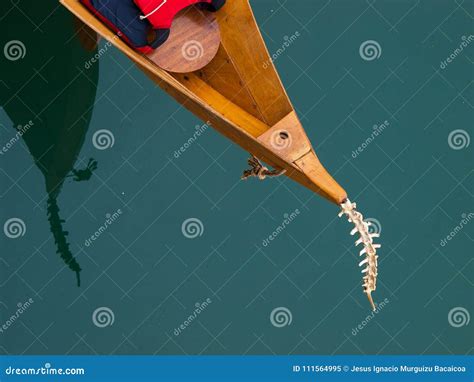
<point>238,92</point>
<point>193,42</point>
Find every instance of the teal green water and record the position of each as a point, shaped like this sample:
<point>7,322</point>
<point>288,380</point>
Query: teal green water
<point>143,276</point>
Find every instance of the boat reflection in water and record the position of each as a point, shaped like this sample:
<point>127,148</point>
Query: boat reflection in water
<point>49,91</point>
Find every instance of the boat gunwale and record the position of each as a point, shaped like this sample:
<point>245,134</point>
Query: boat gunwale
<point>222,123</point>
<point>76,8</point>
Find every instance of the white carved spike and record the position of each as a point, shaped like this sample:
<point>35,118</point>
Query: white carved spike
<point>366,238</point>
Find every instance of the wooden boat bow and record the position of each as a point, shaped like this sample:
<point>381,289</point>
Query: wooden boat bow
<point>288,141</point>
<point>239,93</point>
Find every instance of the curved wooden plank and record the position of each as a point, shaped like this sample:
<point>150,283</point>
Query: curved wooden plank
<point>242,58</point>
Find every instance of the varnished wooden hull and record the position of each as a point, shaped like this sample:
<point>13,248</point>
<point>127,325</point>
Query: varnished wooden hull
<point>240,94</point>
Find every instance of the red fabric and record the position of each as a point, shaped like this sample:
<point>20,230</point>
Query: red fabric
<point>163,17</point>
<point>142,49</point>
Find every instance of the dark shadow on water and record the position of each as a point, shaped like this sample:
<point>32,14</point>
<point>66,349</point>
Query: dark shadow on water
<point>50,87</point>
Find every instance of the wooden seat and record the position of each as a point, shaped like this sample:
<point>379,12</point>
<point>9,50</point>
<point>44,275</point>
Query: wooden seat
<point>193,42</point>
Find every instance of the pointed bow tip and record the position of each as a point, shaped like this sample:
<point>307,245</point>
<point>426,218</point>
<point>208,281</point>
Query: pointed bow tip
<point>319,179</point>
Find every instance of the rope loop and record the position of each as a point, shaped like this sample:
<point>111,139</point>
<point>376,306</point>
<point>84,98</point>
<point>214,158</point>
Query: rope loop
<point>258,170</point>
